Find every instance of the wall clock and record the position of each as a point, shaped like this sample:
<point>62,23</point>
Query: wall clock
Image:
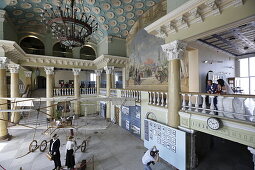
<point>214,123</point>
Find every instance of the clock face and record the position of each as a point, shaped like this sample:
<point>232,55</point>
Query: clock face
<point>213,123</point>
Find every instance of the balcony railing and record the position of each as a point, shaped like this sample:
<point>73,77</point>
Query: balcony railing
<point>158,98</point>
<point>241,107</point>
<point>70,91</point>
<point>132,94</point>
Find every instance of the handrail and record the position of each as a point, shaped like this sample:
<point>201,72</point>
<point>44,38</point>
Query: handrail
<point>224,95</point>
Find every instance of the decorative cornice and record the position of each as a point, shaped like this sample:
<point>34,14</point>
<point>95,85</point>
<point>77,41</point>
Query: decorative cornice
<point>191,12</point>
<point>49,70</point>
<point>76,71</point>
<point>3,62</point>
<point>109,69</point>
<point>28,73</point>
<point>14,68</point>
<point>98,72</point>
<point>175,49</point>
<point>109,60</point>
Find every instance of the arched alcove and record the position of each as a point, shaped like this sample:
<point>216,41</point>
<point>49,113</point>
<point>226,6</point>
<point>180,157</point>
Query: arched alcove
<point>87,53</point>
<point>61,51</point>
<point>32,45</point>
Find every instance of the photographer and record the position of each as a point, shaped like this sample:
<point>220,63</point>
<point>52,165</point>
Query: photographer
<point>150,156</point>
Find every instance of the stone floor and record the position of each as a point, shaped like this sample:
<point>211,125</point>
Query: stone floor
<point>113,149</point>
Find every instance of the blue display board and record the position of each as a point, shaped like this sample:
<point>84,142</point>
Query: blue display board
<point>131,119</point>
<point>103,109</point>
<point>170,142</point>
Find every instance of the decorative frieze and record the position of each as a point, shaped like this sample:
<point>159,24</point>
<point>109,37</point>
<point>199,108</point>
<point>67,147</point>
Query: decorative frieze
<point>49,70</point>
<point>175,49</point>
<point>28,73</point>
<point>3,62</point>
<point>14,68</point>
<point>76,71</point>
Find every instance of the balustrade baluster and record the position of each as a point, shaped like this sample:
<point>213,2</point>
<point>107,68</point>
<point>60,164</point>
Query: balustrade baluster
<point>220,105</point>
<point>228,107</point>
<point>212,105</point>
<point>158,99</point>
<point>166,100</point>
<point>154,98</point>
<point>149,93</point>
<point>183,102</point>
<point>240,110</point>
<point>190,102</point>
<point>196,103</point>
<point>204,104</point>
<point>162,99</point>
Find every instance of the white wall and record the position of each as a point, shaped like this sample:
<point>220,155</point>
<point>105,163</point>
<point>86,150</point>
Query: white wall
<point>211,54</point>
<point>67,75</point>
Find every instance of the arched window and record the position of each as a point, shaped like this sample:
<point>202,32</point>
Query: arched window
<point>32,45</point>
<point>61,51</point>
<point>87,53</point>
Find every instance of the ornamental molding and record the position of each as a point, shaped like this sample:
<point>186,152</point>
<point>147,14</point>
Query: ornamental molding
<point>14,68</point>
<point>175,49</point>
<point>2,15</point>
<point>28,73</point>
<point>109,69</point>
<point>98,72</point>
<point>76,71</point>
<point>49,70</point>
<point>109,60</point>
<point>3,62</point>
<point>191,12</point>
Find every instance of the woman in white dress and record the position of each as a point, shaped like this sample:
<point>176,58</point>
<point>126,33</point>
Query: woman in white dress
<point>70,148</point>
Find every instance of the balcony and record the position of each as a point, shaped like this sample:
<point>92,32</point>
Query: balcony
<point>58,91</point>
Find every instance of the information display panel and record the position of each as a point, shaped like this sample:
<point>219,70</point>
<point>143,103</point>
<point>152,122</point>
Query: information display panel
<point>170,142</point>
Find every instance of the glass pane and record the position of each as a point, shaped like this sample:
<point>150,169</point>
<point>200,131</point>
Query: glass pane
<point>252,86</point>
<point>252,66</point>
<point>242,85</point>
<point>244,67</point>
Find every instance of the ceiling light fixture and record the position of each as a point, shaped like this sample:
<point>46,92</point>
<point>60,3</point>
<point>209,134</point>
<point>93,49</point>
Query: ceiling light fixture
<point>68,25</point>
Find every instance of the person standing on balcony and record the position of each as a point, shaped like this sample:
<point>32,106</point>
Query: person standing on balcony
<point>211,88</point>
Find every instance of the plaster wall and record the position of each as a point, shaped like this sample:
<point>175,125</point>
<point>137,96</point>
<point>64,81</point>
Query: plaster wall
<point>7,31</point>
<point>173,4</point>
<point>217,62</point>
<point>117,47</point>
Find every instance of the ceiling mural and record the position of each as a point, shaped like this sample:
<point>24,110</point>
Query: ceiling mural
<point>115,17</point>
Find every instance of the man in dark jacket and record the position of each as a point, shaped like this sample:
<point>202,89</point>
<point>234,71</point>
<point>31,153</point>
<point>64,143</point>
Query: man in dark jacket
<point>54,150</point>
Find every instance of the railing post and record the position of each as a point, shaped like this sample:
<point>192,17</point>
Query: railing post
<point>190,103</point>
<point>162,99</point>
<point>183,102</point>
<point>154,98</point>
<point>220,105</point>
<point>196,103</point>
<point>204,104</point>
<point>212,105</point>
<point>228,109</point>
<point>241,110</point>
<point>158,99</point>
<point>166,100</point>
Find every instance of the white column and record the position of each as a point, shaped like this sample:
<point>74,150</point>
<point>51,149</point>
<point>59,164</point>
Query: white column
<point>77,94</point>
<point>108,70</point>
<point>252,150</point>
<point>14,70</point>
<point>98,74</point>
<point>124,77</point>
<point>49,91</point>
<point>3,93</point>
<point>175,51</point>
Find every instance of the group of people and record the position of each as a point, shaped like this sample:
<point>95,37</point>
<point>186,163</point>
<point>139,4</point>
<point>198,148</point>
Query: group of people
<point>66,85</point>
<point>55,153</point>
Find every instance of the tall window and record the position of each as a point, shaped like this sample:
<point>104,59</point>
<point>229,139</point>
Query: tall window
<point>92,76</point>
<point>247,75</point>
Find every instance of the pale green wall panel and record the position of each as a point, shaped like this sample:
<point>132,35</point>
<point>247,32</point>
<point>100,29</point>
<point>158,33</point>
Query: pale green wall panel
<point>117,47</point>
<point>9,31</point>
<point>173,4</point>
<point>102,47</point>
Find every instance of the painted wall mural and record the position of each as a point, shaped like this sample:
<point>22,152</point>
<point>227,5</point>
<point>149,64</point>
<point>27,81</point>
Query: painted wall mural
<point>148,63</point>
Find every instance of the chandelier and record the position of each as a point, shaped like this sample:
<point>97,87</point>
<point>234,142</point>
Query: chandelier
<point>69,24</point>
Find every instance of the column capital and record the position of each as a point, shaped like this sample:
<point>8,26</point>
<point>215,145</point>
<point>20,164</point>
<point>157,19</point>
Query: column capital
<point>3,62</point>
<point>98,72</point>
<point>174,49</point>
<point>14,68</point>
<point>109,69</point>
<point>76,71</point>
<point>28,73</point>
<point>49,70</point>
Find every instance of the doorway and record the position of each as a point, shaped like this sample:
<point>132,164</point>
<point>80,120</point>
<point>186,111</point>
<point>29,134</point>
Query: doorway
<point>41,82</point>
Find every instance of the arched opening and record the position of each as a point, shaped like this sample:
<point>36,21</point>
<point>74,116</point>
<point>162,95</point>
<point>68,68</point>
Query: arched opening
<point>32,45</point>
<point>41,80</point>
<point>87,53</point>
<point>61,51</point>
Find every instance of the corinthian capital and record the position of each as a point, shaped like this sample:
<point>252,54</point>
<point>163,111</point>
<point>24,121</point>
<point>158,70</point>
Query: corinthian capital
<point>76,71</point>
<point>98,72</point>
<point>175,49</point>
<point>14,68</point>
<point>108,69</point>
<point>3,62</point>
<point>28,73</point>
<point>49,70</point>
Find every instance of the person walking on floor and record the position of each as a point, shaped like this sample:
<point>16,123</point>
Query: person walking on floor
<point>54,151</point>
<point>70,147</point>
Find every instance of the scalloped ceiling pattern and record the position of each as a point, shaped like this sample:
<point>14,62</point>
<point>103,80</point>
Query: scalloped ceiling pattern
<point>115,17</point>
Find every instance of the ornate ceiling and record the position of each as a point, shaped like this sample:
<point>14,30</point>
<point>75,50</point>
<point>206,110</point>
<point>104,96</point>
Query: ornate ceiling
<point>115,17</point>
<point>238,41</point>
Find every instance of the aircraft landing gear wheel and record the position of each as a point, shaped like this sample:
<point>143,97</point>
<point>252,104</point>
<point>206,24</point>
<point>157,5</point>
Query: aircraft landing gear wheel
<point>43,146</point>
<point>33,146</point>
<point>83,146</point>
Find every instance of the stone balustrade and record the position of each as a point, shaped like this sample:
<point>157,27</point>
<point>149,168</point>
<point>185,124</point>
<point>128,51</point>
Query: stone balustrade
<point>241,107</point>
<point>70,91</point>
<point>113,92</point>
<point>131,94</point>
<point>158,98</point>
<point>103,91</point>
